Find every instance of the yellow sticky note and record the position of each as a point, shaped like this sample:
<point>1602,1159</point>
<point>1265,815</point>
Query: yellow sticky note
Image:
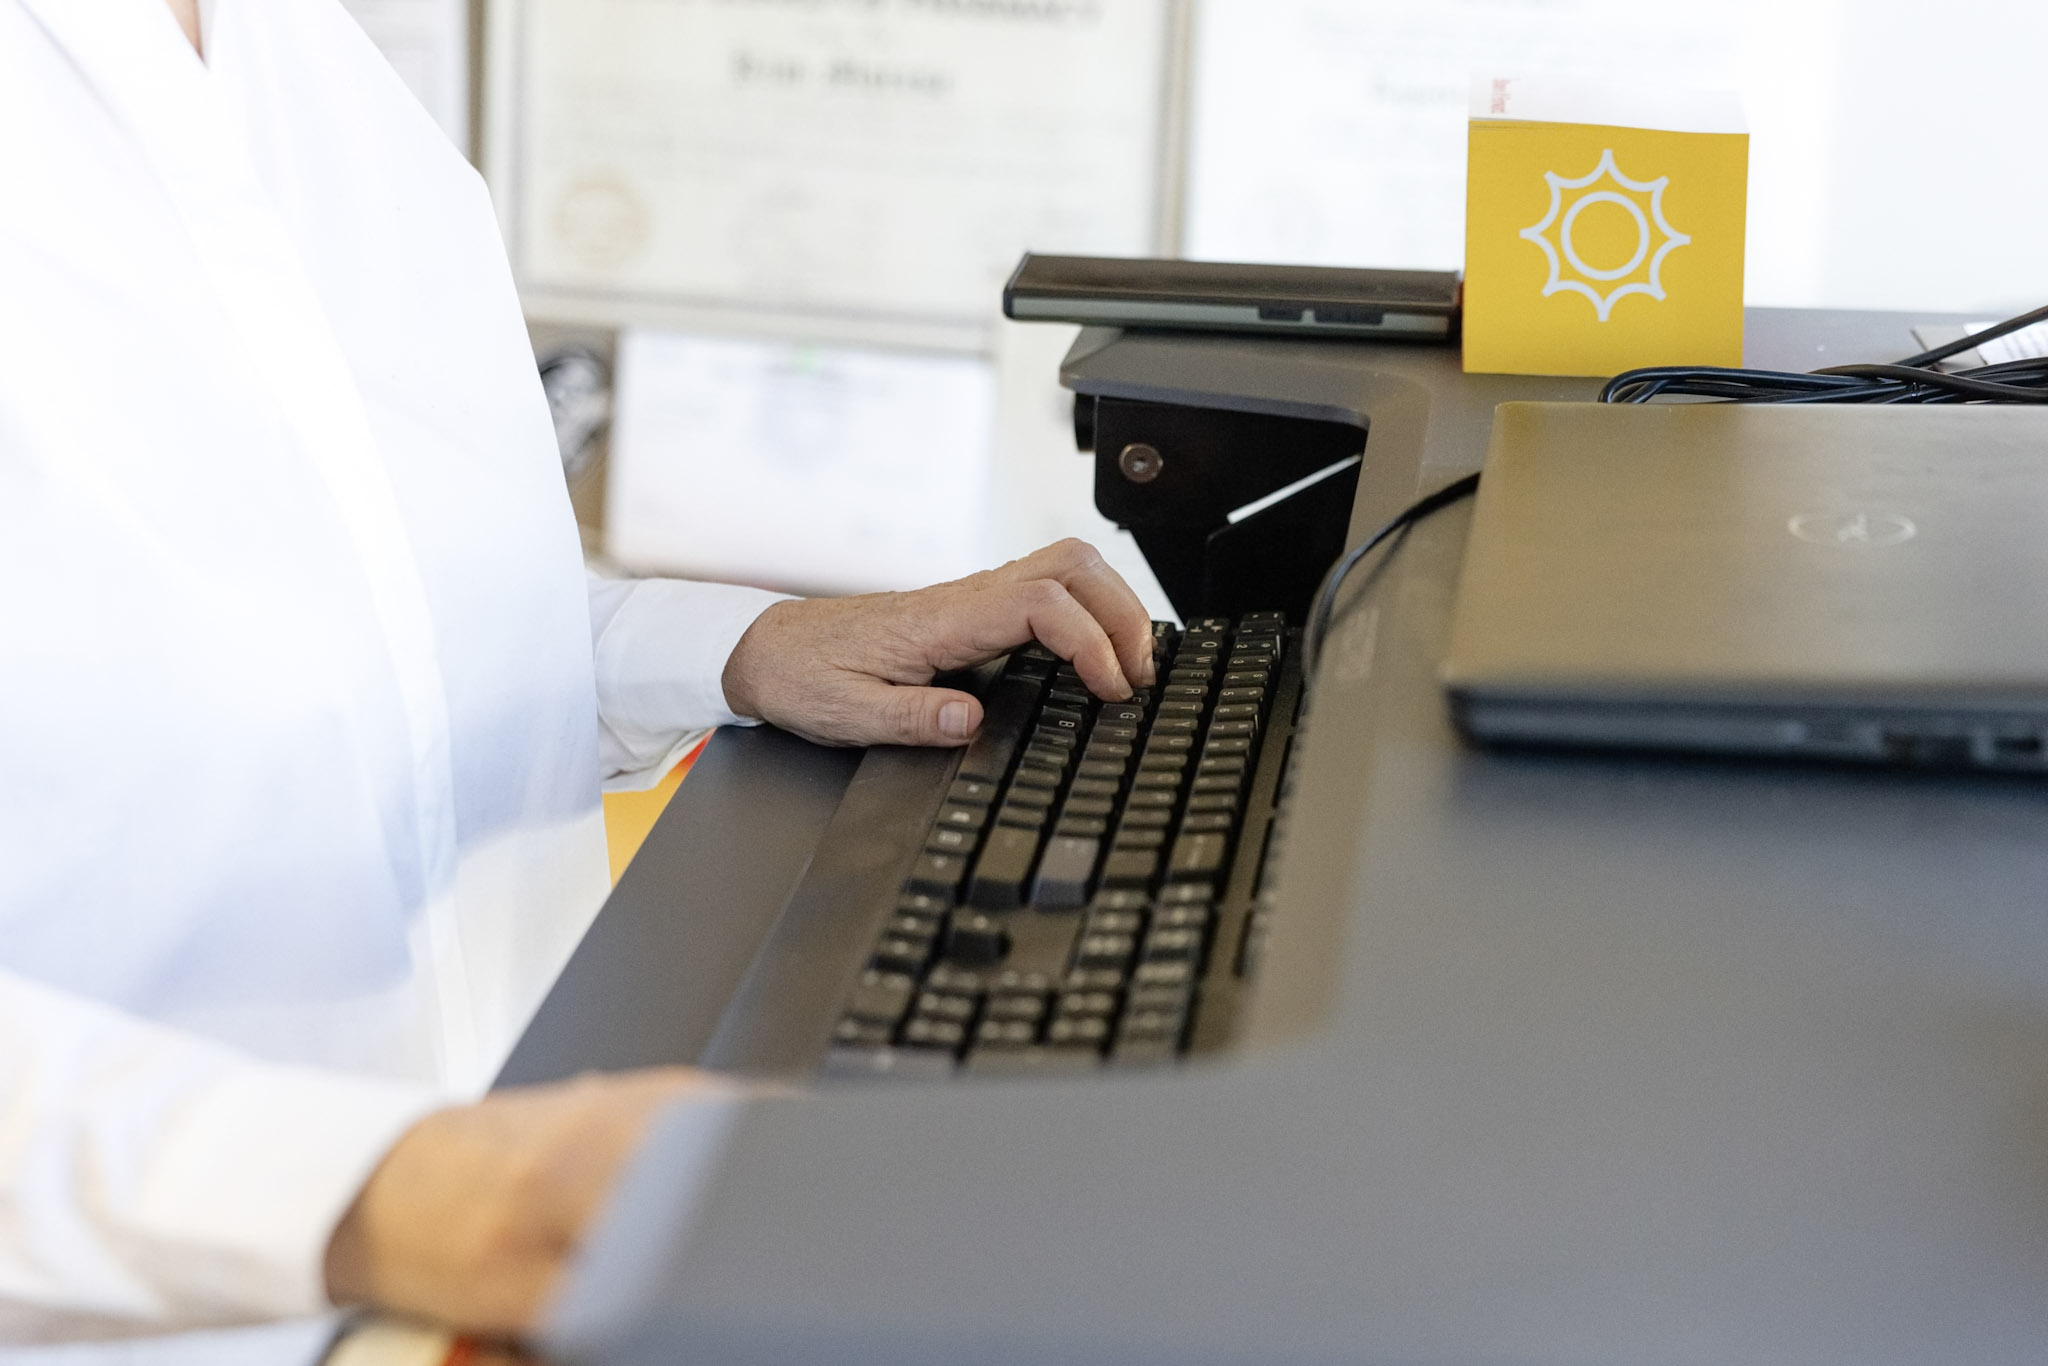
<point>1603,229</point>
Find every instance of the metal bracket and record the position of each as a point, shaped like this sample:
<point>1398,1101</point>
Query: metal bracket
<point>1195,485</point>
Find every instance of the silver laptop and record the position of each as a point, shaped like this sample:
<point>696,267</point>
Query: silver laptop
<point>1850,583</point>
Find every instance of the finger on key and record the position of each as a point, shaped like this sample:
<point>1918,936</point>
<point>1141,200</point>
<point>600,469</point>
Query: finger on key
<point>1081,570</point>
<point>1100,589</point>
<point>1070,631</point>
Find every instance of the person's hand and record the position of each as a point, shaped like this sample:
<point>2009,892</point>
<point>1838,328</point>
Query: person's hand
<point>853,671</point>
<point>471,1217</point>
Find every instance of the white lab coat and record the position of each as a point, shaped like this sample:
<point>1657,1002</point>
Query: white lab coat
<point>300,735</point>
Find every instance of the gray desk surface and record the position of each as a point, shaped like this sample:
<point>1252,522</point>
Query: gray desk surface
<point>1559,1059</point>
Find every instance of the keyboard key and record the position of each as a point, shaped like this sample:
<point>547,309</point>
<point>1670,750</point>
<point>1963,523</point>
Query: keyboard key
<point>902,925</point>
<point>1139,837</point>
<point>1093,979</point>
<point>1238,711</point>
<point>1005,1034</point>
<point>1246,729</point>
<point>1234,744</point>
<point>954,980</point>
<point>1110,770</point>
<point>861,1033</point>
<point>1082,827</point>
<point>1120,750</point>
<point>1198,856</point>
<point>881,997</point>
<point>1064,871</point>
<point>1121,901</point>
<point>1090,806</point>
<point>1245,678</point>
<point>1148,818</point>
<point>1005,711</point>
<point>1027,796</point>
<point>1184,691</point>
<point>1164,943</point>
<point>1222,763</point>
<point>1178,706</point>
<point>1173,725</point>
<point>1129,867</point>
<point>971,791</point>
<point>1062,718</point>
<point>1112,922</point>
<point>1036,775</point>
<point>1028,1007</point>
<point>923,1032</point>
<point>1013,979</point>
<point>1160,770</point>
<point>939,1006</point>
<point>1085,1030</point>
<point>923,904</point>
<point>1207,822</point>
<point>1005,862</point>
<point>948,840</point>
<point>1155,1024</point>
<point>961,816</point>
<point>1119,713</point>
<point>938,873</point>
<point>1251,695</point>
<point>1219,782</point>
<point>976,940</point>
<point>902,953</point>
<point>1183,896</point>
<point>1094,787</point>
<point>1031,818</point>
<point>1163,744</point>
<point>1166,974</point>
<point>1190,916</point>
<point>1104,951</point>
<point>1213,801</point>
<point>1155,798</point>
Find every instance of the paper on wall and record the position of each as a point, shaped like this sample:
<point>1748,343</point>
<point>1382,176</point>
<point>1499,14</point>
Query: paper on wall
<point>818,468</point>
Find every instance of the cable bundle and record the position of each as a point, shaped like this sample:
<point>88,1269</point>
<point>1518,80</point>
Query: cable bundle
<point>1912,380</point>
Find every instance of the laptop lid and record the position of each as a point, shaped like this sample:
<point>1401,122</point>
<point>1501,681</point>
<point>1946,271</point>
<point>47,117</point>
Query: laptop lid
<point>1643,570</point>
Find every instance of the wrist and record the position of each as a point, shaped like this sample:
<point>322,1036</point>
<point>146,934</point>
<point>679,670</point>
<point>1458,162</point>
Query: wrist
<point>741,677</point>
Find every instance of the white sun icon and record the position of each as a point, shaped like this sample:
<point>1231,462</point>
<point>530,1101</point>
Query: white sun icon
<point>1589,280</point>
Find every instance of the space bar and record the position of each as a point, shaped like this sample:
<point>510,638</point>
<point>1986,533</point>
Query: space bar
<point>1006,710</point>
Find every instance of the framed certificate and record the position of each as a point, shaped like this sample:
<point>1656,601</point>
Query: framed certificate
<point>854,170</point>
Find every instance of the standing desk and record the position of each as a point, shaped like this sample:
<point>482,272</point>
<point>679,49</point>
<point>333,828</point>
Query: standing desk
<point>1554,1058</point>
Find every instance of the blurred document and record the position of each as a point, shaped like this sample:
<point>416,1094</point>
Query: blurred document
<point>427,43</point>
<point>798,466</point>
<point>2029,343</point>
<point>882,160</point>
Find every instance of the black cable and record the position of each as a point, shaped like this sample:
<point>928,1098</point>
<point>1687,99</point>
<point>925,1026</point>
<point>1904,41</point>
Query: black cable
<point>1325,600</point>
<point>1912,380</point>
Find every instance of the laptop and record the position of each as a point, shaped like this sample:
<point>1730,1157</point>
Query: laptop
<point>1864,584</point>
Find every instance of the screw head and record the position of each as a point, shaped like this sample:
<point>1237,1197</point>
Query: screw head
<point>1140,463</point>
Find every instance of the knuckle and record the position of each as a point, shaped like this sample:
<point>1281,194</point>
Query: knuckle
<point>904,712</point>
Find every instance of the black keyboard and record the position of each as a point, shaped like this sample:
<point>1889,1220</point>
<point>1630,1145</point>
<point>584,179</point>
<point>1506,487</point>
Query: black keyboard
<point>1088,892</point>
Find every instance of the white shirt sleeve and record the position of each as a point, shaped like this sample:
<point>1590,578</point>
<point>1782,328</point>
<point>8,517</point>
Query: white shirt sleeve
<point>150,1179</point>
<point>660,647</point>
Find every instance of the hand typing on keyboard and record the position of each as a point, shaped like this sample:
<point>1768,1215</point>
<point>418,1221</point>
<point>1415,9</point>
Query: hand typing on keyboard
<point>857,671</point>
